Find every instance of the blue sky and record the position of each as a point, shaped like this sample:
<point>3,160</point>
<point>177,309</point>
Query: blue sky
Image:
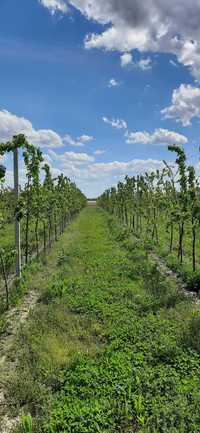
<point>106,105</point>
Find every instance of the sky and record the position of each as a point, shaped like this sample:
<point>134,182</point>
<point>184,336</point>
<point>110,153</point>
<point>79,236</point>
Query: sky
<point>102,86</point>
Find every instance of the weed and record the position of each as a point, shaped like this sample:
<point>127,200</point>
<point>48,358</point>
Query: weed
<point>191,334</point>
<point>103,353</point>
<point>26,424</point>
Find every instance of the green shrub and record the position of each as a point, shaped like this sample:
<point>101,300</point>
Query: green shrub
<point>56,290</point>
<point>63,258</point>
<point>191,335</point>
<point>154,282</point>
<point>192,280</point>
<point>173,263</point>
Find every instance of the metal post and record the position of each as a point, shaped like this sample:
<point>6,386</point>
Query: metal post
<point>17,223</point>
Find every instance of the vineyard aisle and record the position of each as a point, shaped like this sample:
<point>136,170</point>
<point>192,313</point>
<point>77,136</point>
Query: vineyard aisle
<point>37,279</point>
<point>110,346</point>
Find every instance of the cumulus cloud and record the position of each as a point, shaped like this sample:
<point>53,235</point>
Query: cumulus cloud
<point>144,64</point>
<point>83,166</point>
<point>185,104</point>
<point>74,157</point>
<point>168,27</point>
<point>100,176</point>
<point>77,142</point>
<point>44,138</point>
<point>160,136</point>
<point>115,123</point>
<point>126,59</point>
<point>55,5</point>
<point>10,125</point>
<point>71,141</point>
<point>80,157</point>
<point>113,83</point>
<point>134,166</point>
<point>94,178</point>
<point>90,175</point>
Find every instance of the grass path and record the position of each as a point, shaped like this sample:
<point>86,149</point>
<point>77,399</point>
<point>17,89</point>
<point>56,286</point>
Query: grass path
<point>112,346</point>
<point>36,279</point>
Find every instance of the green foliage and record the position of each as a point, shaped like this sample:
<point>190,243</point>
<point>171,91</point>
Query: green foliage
<point>191,335</point>
<point>2,172</point>
<point>58,289</point>
<point>44,209</point>
<point>162,209</point>
<point>63,258</point>
<point>106,344</point>
<point>26,424</point>
<point>192,280</point>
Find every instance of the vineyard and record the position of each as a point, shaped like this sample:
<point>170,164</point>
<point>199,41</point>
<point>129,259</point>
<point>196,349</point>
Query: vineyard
<point>163,210</point>
<point>44,209</point>
<point>99,216</point>
<point>97,337</point>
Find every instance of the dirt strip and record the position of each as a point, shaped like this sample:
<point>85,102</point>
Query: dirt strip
<point>165,270</point>
<point>14,319</point>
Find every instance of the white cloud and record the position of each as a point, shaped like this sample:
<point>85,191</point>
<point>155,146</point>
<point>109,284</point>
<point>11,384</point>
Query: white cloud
<point>10,125</point>
<point>137,137</point>
<point>77,142</point>
<point>185,104</point>
<point>83,166</point>
<point>69,140</point>
<point>94,178</point>
<point>163,26</point>
<point>160,136</point>
<point>81,157</point>
<point>85,138</point>
<point>55,5</point>
<point>113,83</point>
<point>126,59</point>
<point>144,64</point>
<point>134,166</point>
<point>71,156</point>
<point>99,152</point>
<point>115,123</point>
<point>44,138</point>
<point>173,63</point>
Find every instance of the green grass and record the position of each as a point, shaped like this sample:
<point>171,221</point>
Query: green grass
<point>192,279</point>
<point>112,346</point>
<point>7,243</point>
<point>162,248</point>
<point>35,276</point>
<point>18,290</point>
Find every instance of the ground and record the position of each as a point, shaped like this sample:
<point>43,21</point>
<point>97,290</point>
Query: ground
<point>111,346</point>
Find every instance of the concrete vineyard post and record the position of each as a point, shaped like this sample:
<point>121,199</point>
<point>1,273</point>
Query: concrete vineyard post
<point>17,223</point>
